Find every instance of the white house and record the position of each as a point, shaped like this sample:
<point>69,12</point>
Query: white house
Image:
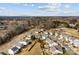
<point>36,32</point>
<point>27,38</point>
<point>56,34</point>
<point>66,38</point>
<point>28,41</point>
<point>29,35</point>
<point>41,29</point>
<point>60,37</point>
<point>53,44</point>
<point>44,36</point>
<point>72,25</point>
<point>57,52</point>
<point>37,36</point>
<point>21,44</point>
<point>54,51</point>
<point>76,43</point>
<point>71,40</point>
<point>46,32</point>
<point>48,40</point>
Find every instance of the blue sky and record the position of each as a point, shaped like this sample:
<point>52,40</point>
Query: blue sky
<point>39,9</point>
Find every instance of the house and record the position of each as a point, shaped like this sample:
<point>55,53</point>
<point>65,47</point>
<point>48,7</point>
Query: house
<point>38,36</point>
<point>56,34</point>
<point>29,35</point>
<point>66,38</point>
<point>55,44</point>
<point>52,37</point>
<point>60,37</point>
<point>46,32</point>
<point>57,52</point>
<point>13,50</point>
<point>58,49</point>
<point>71,40</point>
<point>44,37</point>
<point>48,40</point>
<point>72,25</point>
<point>27,38</point>
<point>54,51</point>
<point>42,30</point>
<point>36,32</point>
<point>28,41</point>
<point>52,44</point>
<point>21,44</point>
<point>76,43</point>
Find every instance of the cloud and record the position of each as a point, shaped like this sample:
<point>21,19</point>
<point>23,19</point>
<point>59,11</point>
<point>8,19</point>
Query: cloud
<point>25,4</point>
<point>28,4</point>
<point>2,8</point>
<point>56,8</point>
<point>32,5</point>
<point>12,12</point>
<point>0,11</point>
<point>67,6</point>
<point>71,11</point>
<point>51,7</point>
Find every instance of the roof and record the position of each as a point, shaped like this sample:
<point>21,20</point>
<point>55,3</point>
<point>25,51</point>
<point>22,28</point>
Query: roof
<point>23,43</point>
<point>45,32</point>
<point>56,34</point>
<point>15,48</point>
<point>76,43</point>
<point>27,38</point>
<point>48,40</point>
<point>19,45</point>
<point>38,36</point>
<point>44,36</point>
<point>10,52</point>
<point>57,51</point>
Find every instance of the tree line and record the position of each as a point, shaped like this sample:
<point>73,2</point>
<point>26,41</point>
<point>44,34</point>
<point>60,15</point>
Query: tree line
<point>18,29</point>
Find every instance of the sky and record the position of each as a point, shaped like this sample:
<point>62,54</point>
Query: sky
<point>39,9</point>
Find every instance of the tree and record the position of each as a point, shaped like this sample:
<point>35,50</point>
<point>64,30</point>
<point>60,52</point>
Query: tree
<point>64,51</point>
<point>33,37</point>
